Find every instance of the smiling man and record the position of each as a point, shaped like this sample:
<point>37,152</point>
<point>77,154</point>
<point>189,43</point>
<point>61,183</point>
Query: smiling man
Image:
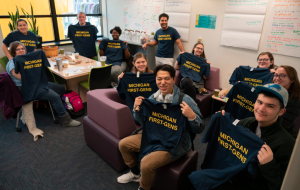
<point>165,38</point>
<point>81,17</point>
<point>275,154</point>
<point>167,93</point>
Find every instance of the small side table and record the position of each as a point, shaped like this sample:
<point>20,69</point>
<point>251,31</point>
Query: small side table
<point>213,100</point>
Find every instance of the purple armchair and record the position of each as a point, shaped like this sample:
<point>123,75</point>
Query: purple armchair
<point>204,101</point>
<point>109,120</point>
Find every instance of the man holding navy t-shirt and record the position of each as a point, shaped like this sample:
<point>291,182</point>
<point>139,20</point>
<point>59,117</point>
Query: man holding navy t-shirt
<point>165,38</point>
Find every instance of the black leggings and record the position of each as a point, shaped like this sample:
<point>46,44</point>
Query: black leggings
<point>188,88</point>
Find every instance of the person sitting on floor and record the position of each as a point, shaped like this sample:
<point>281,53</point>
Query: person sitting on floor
<point>287,77</point>
<point>187,84</point>
<point>167,93</point>
<point>275,154</point>
<point>52,94</point>
<point>115,50</point>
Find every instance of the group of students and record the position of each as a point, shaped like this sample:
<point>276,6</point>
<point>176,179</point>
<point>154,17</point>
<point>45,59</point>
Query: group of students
<point>170,110</point>
<point>275,109</point>
<point>32,83</point>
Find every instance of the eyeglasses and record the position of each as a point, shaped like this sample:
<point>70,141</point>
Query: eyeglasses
<point>265,60</point>
<point>280,76</point>
<point>199,48</point>
<point>20,49</point>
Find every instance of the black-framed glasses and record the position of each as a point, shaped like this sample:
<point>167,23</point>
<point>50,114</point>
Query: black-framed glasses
<point>265,60</point>
<point>281,76</point>
<point>199,48</point>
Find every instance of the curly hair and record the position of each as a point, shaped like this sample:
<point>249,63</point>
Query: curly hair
<point>116,28</point>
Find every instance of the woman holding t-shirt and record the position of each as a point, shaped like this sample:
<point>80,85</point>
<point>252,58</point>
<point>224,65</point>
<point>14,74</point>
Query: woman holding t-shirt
<point>187,85</point>
<point>140,64</point>
<point>115,50</point>
<point>264,60</point>
<point>287,77</point>
<point>22,34</point>
<point>16,49</point>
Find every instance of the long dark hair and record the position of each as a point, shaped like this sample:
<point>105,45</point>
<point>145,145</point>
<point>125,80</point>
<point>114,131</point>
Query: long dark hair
<point>137,56</point>
<point>203,54</point>
<point>294,90</point>
<point>13,46</point>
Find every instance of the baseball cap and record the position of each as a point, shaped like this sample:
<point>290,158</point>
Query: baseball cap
<point>275,89</point>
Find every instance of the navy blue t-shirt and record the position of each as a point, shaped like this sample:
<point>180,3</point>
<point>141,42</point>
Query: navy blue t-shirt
<point>242,97</point>
<point>86,24</point>
<point>34,78</point>
<point>30,40</point>
<point>130,87</point>
<point>162,128</point>
<point>253,76</point>
<point>113,50</point>
<point>231,149</point>
<point>83,38</point>
<point>166,39</point>
<point>193,66</point>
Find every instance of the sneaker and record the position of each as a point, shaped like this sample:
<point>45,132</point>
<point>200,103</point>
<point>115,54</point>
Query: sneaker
<point>129,177</point>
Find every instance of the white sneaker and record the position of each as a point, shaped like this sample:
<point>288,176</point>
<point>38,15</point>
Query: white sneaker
<point>129,177</point>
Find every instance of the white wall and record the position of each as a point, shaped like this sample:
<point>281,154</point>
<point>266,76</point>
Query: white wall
<point>223,57</point>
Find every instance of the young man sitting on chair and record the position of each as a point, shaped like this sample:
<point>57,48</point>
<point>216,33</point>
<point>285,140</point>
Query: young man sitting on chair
<point>129,146</point>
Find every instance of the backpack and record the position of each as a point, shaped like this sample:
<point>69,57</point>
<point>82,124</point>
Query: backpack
<point>192,134</point>
<point>73,104</point>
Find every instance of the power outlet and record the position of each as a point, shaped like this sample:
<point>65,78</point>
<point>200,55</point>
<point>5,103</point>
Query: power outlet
<point>199,40</point>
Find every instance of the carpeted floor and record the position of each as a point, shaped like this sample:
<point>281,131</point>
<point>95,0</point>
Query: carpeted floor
<point>59,160</point>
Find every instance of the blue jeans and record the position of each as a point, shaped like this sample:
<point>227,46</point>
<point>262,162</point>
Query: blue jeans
<point>53,96</point>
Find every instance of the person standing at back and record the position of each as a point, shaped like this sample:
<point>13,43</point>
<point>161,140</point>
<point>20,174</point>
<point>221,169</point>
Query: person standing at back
<point>81,17</point>
<point>165,38</point>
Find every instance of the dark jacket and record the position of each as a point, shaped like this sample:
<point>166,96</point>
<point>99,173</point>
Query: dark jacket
<point>11,99</point>
<point>269,176</point>
<point>289,117</point>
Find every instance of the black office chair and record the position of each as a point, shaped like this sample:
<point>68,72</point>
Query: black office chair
<point>99,78</point>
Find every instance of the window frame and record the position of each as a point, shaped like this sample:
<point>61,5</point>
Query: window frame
<point>54,17</point>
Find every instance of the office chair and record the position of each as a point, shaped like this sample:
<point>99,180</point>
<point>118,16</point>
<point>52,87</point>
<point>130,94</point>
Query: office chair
<point>18,117</point>
<point>99,78</point>
<point>3,61</point>
<point>55,79</point>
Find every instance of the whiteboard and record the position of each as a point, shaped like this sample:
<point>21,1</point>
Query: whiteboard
<point>182,6</point>
<point>133,14</point>
<point>151,11</point>
<point>282,35</point>
<point>243,23</point>
<point>179,19</point>
<point>246,6</point>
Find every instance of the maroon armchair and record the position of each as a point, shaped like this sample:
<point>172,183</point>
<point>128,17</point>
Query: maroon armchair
<point>109,120</point>
<point>204,101</point>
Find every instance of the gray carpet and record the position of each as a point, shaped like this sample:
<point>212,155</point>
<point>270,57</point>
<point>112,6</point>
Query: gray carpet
<point>59,160</point>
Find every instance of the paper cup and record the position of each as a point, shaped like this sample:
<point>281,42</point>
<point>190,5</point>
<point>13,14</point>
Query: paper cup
<point>217,92</point>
